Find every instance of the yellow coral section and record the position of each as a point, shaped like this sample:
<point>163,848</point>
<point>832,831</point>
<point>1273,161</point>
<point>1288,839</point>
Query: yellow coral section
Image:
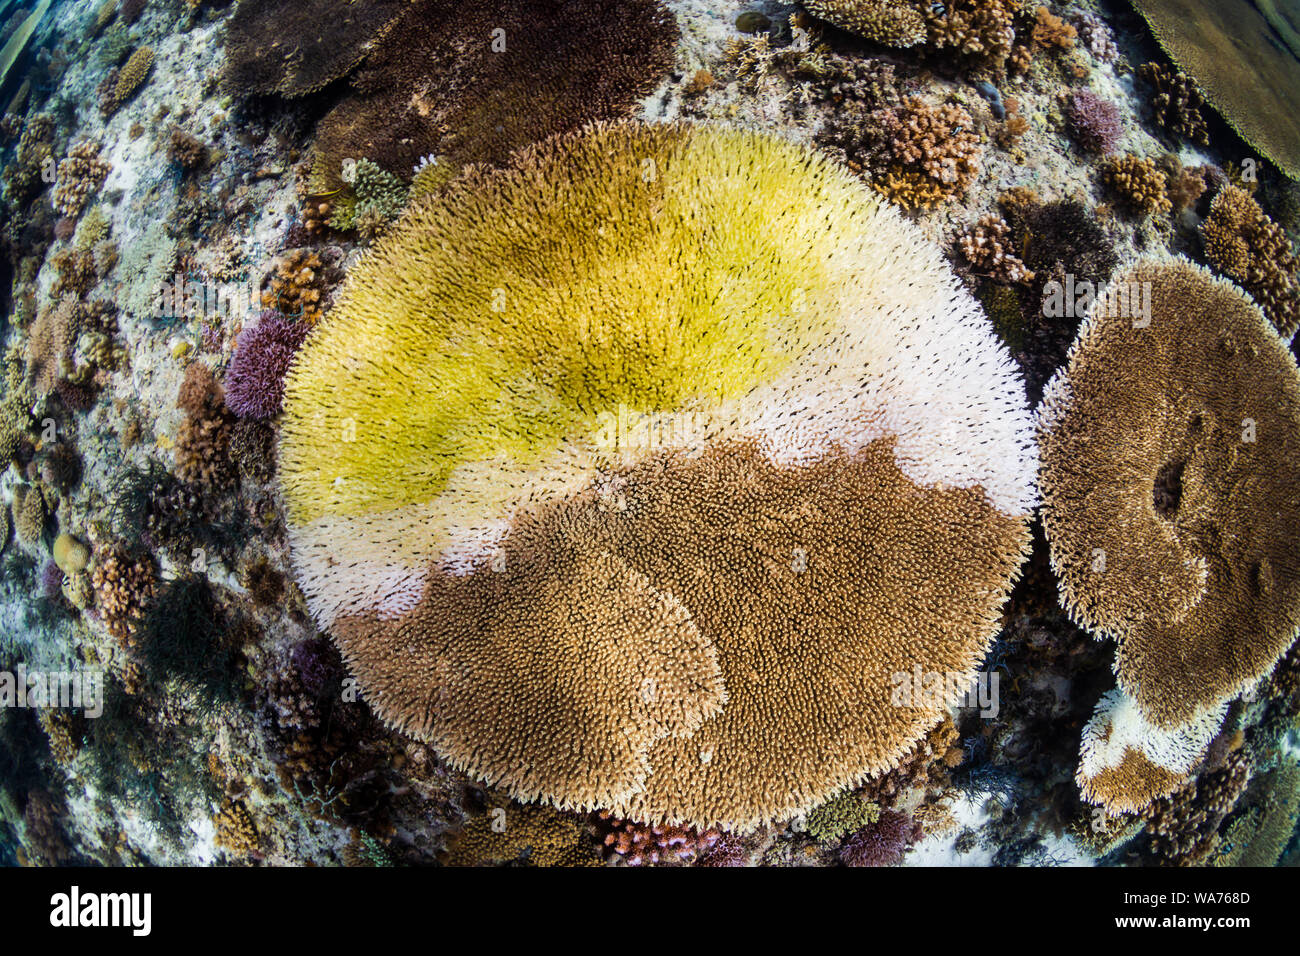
<point>536,305</point>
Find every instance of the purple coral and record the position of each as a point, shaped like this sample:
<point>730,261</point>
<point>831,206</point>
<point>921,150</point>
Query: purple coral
<point>316,663</point>
<point>1094,122</point>
<point>263,353</point>
<point>882,843</point>
<point>52,583</point>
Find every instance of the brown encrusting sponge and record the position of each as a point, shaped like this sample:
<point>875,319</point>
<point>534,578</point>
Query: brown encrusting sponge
<point>1170,495</point>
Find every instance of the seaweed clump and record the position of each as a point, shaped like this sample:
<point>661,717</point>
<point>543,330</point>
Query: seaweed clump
<point>184,635</point>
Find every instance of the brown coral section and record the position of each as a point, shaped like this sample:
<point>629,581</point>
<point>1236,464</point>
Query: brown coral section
<point>79,175</point>
<point>803,663</point>
<point>296,47</point>
<point>1168,481</point>
<point>1139,183</point>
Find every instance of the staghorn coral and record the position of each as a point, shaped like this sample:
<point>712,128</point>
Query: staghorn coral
<point>1094,122</point>
<point>1151,471</point>
<point>126,81</point>
<point>1247,246</point>
<point>928,154</point>
<point>296,47</point>
<point>79,175</point>
<point>895,23</point>
<point>445,509</point>
<point>1139,183</point>
<point>471,82</point>
<point>254,384</point>
<point>986,247</point>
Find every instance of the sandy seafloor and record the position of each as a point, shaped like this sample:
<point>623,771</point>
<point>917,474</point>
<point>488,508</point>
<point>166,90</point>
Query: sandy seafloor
<point>244,203</point>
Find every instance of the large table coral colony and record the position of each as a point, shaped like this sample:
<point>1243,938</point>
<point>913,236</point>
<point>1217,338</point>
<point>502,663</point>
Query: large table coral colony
<point>646,449</point>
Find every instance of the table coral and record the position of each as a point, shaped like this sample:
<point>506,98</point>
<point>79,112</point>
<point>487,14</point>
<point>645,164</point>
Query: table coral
<point>1151,470</point>
<point>477,528</point>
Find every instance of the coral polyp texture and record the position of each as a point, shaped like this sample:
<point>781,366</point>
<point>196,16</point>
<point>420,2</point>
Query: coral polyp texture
<point>1169,489</point>
<point>616,475</point>
<point>890,22</point>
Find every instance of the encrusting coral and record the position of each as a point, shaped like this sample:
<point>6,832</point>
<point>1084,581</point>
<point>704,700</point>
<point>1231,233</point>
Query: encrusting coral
<point>1250,248</point>
<point>1167,446</point>
<point>773,426</point>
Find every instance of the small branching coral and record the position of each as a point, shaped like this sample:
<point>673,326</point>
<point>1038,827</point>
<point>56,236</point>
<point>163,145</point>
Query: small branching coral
<point>80,174</point>
<point>891,22</point>
<point>1138,183</point>
<point>883,842</point>
<point>1167,445</point>
<point>1176,102</point>
<point>927,154</point>
<point>1094,122</point>
<point>203,441</point>
<point>125,583</point>
<point>123,83</point>
<point>987,248</point>
<point>1250,248</point>
<point>781,466</point>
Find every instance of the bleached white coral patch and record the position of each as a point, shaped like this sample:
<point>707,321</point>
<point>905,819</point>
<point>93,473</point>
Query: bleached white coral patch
<point>1117,726</point>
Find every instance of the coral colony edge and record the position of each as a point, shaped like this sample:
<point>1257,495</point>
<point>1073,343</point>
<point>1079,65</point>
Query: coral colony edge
<point>577,433</point>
